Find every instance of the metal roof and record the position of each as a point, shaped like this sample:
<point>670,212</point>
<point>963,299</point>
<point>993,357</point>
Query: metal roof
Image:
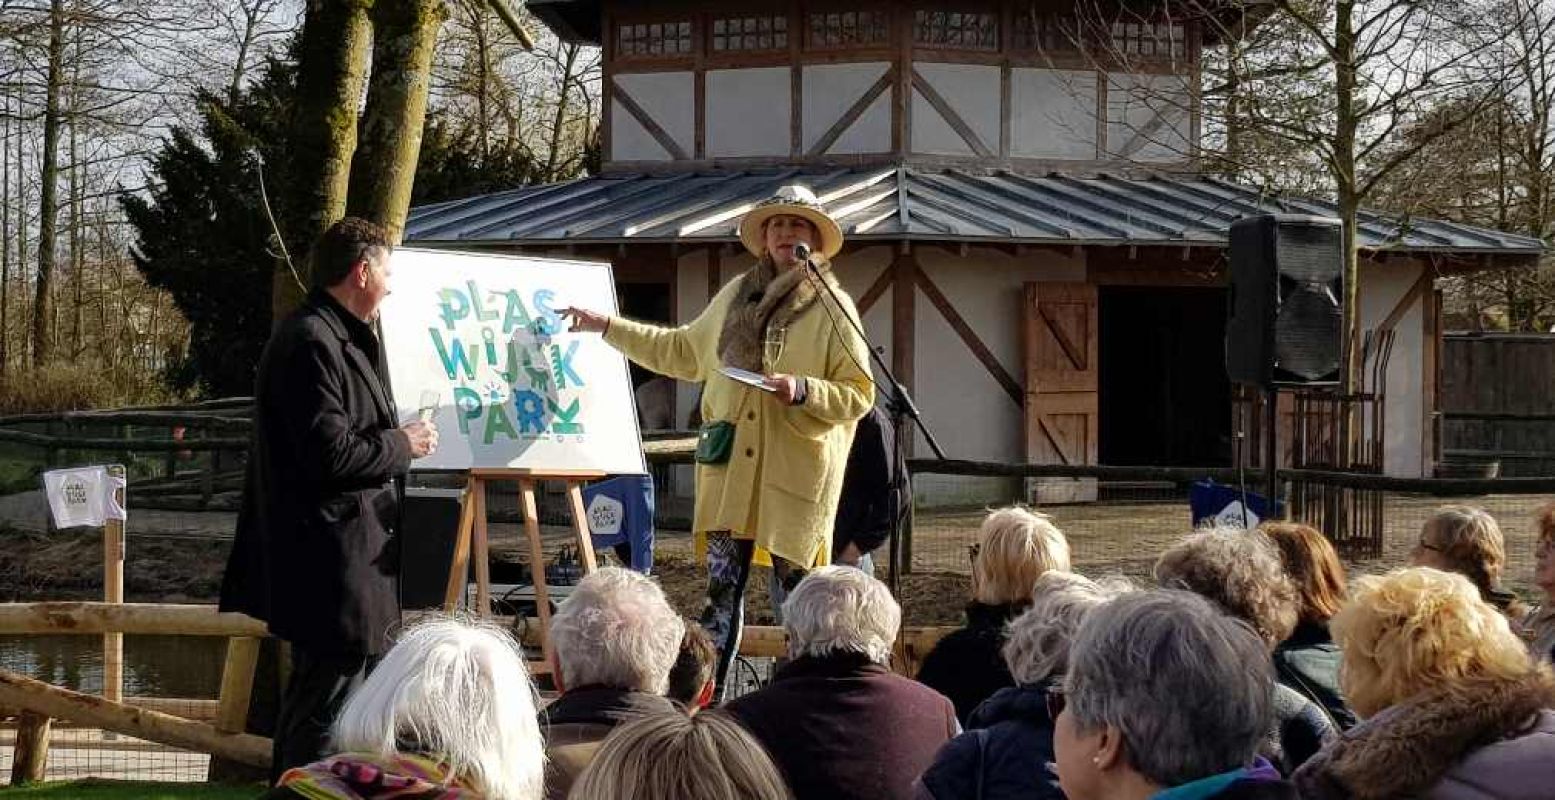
<point>897,203</point>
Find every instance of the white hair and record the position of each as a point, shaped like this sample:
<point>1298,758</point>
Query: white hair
<point>1036,644</point>
<point>617,630</point>
<point>459,692</point>
<point>841,610</point>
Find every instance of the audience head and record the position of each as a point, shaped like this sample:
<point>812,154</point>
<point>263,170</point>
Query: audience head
<point>617,630</point>
<point>841,610</point>
<point>1465,540</point>
<point>1240,571</point>
<point>1313,565</point>
<point>457,692</point>
<point>1162,689</point>
<point>705,756</point>
<point>1014,547</point>
<point>1544,552</point>
<point>691,678</point>
<point>1418,630</point>
<point>1036,645</point>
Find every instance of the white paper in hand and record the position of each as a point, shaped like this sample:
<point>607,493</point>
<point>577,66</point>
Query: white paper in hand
<point>755,380</point>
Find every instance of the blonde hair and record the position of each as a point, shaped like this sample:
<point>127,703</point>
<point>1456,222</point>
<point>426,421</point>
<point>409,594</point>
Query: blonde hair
<point>1014,547</point>
<point>1312,563</point>
<point>1420,629</point>
<point>705,756</point>
<point>1240,571</point>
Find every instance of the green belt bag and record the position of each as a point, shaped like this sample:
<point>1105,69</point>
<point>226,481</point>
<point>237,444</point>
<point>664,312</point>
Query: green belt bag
<point>715,442</point>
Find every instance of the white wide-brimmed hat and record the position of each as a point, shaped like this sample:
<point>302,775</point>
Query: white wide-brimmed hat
<point>796,201</point>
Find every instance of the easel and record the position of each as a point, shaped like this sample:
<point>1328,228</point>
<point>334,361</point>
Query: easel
<point>471,540</point>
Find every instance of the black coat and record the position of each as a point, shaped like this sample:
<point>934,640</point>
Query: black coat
<point>875,486</point>
<point>966,666</point>
<point>1006,753</point>
<point>1308,662</point>
<point>844,728</point>
<point>314,554</point>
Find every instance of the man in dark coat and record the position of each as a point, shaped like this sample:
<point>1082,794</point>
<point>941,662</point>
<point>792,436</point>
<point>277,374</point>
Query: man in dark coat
<point>314,554</point>
<point>836,720</point>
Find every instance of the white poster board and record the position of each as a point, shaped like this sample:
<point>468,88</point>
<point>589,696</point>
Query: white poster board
<point>512,387</point>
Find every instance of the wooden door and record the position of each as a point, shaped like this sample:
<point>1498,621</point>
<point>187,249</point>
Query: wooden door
<point>1062,408</point>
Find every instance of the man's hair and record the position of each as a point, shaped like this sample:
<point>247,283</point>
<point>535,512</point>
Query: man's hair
<point>693,665</point>
<point>841,610</point>
<point>616,630</point>
<point>345,243</point>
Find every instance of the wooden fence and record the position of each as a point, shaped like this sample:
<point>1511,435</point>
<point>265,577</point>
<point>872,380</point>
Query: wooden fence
<point>1498,403</point>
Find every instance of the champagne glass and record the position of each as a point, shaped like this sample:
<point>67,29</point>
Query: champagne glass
<point>772,348</point>
<point>426,407</point>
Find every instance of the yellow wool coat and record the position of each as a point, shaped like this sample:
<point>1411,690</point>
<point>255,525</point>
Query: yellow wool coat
<point>781,484</point>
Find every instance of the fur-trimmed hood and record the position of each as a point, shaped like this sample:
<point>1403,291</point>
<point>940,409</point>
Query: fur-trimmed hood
<point>1419,748</point>
<point>766,298</point>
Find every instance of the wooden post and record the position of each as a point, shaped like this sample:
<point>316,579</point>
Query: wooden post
<point>31,755</point>
<point>113,592</point>
<point>237,684</point>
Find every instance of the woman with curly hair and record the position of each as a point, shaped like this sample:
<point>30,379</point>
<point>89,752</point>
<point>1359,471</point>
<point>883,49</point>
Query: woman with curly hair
<point>1240,571</point>
<point>1454,706</point>
<point>1308,659</point>
<point>1467,540</point>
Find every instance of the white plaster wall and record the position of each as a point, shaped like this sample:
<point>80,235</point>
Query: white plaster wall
<point>748,111</point>
<point>1381,287</point>
<point>1147,117</point>
<point>670,99</point>
<point>1053,113</point>
<point>972,91</point>
<point>829,91</point>
<point>969,412</point>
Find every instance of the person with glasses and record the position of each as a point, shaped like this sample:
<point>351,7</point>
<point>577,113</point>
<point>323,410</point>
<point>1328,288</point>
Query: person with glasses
<point>1165,697</point>
<point>1007,751</point>
<point>1539,626</point>
<point>1467,540</point>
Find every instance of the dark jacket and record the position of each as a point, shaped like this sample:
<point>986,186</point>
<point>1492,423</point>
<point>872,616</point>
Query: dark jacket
<point>1478,740</point>
<point>845,728</point>
<point>1006,753</point>
<point>314,554</point>
<point>966,666</point>
<point>1308,662</point>
<point>874,488</point>
<point>574,726</point>
<point>1299,730</point>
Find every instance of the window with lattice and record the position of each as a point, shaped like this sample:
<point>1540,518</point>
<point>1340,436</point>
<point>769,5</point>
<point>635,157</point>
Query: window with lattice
<point>750,33</point>
<point>1149,39</point>
<point>1047,33</point>
<point>654,39</point>
<point>969,30</point>
<point>849,29</point>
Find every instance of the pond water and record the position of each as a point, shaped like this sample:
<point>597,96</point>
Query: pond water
<point>154,666</point>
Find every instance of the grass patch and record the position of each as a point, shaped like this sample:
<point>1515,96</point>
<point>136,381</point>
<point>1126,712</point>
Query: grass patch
<point>130,790</point>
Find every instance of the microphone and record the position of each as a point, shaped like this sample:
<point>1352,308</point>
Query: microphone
<point>802,252</point>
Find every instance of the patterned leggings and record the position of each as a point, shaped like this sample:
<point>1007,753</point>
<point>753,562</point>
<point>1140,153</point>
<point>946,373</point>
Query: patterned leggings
<point>723,613</point>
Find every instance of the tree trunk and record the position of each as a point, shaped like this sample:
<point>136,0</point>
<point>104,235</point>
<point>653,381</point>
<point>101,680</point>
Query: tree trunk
<point>5,234</point>
<point>1346,122</point>
<point>331,65</point>
<point>561,111</point>
<point>21,220</point>
<point>384,169</point>
<point>77,261</point>
<point>48,203</point>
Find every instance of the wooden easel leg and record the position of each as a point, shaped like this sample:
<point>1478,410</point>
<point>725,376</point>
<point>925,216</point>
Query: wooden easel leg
<point>459,568</point>
<point>482,553</point>
<point>526,493</point>
<point>580,525</point>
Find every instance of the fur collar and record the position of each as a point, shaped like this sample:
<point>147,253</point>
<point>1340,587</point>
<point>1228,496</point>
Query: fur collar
<point>1407,749</point>
<point>765,298</point>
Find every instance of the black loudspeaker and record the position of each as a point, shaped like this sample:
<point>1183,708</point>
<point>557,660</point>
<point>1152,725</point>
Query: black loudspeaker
<point>1287,300</point>
<point>429,524</point>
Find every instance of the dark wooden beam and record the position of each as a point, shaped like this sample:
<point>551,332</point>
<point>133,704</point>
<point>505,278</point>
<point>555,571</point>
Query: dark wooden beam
<point>970,338</point>
<point>876,289</point>
<point>904,326</point>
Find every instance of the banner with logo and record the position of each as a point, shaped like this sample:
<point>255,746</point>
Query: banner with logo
<point>82,496</point>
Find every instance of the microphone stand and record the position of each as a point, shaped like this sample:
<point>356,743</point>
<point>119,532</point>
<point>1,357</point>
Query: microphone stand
<point>899,406</point>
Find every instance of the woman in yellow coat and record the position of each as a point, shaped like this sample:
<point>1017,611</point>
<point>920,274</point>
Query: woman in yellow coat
<point>770,460</point>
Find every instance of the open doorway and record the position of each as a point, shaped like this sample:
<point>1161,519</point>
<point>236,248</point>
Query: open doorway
<point>1164,397</point>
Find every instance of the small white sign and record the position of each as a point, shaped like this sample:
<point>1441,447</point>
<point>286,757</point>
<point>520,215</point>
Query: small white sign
<point>1232,517</point>
<point>82,496</point>
<point>606,515</point>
